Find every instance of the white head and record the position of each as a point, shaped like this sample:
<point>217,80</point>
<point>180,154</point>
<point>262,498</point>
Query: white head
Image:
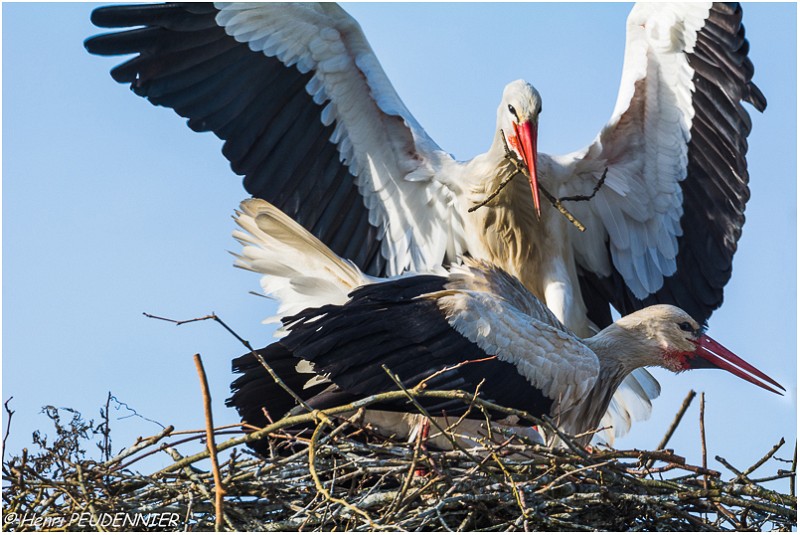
<point>518,118</point>
<point>521,103</point>
<point>667,336</point>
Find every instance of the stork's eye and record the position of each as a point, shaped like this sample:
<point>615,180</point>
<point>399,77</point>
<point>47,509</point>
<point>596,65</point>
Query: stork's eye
<point>513,111</point>
<point>540,110</point>
<point>686,326</point>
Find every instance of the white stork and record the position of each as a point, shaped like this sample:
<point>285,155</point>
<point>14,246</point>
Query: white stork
<point>426,327</point>
<point>343,324</point>
<point>311,120</point>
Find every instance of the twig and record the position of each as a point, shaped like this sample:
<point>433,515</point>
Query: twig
<point>556,202</point>
<point>178,322</point>
<point>794,471</point>
<point>89,502</point>
<point>674,425</point>
<point>424,412</point>
<point>188,512</point>
<point>703,436</point>
<point>562,209</point>
<point>300,401</point>
<point>519,497</point>
<point>565,440</point>
<point>210,443</point>
<point>22,467</point>
<point>10,413</point>
<point>423,384</point>
<point>412,468</point>
<point>762,460</point>
<point>454,426</point>
<point>199,436</point>
<point>592,432</point>
<point>724,462</point>
<point>589,197</point>
<point>566,213</point>
<point>571,473</point>
<point>107,430</point>
<point>140,445</point>
<point>782,474</point>
<point>312,468</point>
<point>217,430</point>
<point>729,516</point>
<point>134,412</point>
<point>511,176</point>
<point>677,420</point>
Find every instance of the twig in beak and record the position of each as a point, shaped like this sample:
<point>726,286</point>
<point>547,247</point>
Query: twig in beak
<point>556,202</point>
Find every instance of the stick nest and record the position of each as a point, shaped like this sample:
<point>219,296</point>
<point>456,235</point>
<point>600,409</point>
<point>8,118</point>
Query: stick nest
<point>344,477</point>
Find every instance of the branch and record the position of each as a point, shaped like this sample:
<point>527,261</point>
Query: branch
<point>290,421</point>
<point>703,449</point>
<point>794,471</point>
<point>219,490</point>
<point>10,413</point>
<point>675,422</point>
<point>312,468</point>
<point>762,460</point>
<point>300,401</point>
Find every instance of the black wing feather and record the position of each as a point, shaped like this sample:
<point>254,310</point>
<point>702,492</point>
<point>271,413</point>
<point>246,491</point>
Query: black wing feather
<point>271,126</point>
<point>384,324</point>
<point>715,189</point>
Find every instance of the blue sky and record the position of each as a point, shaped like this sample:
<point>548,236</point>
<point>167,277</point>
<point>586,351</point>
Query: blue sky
<point>112,207</point>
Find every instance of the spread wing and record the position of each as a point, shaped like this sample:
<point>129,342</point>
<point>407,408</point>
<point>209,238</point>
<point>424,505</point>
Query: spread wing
<point>308,117</point>
<point>664,226</point>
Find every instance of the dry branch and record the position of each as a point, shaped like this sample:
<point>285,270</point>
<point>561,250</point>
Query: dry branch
<point>219,490</point>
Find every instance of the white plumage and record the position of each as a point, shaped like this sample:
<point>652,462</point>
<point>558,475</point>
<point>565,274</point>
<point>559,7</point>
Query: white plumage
<point>299,270</point>
<point>662,228</point>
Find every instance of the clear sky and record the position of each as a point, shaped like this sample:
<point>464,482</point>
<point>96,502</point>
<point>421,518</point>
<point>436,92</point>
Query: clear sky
<point>112,207</point>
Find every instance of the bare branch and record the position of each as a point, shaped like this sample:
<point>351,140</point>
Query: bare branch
<point>9,414</point>
<point>210,442</point>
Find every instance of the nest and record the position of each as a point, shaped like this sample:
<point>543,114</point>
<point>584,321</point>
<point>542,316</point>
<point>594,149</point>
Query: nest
<point>329,472</point>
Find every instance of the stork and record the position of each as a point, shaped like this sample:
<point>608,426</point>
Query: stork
<point>475,329</point>
<point>341,325</point>
<point>311,120</point>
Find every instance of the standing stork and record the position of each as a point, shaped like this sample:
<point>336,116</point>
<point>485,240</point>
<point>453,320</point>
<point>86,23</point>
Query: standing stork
<point>311,120</point>
<point>478,330</point>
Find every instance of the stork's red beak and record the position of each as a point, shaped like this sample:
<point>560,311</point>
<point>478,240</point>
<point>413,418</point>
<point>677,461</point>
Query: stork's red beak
<point>526,136</point>
<point>712,354</point>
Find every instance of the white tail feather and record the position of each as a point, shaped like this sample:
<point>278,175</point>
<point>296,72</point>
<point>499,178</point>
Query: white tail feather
<point>630,403</point>
<point>279,248</point>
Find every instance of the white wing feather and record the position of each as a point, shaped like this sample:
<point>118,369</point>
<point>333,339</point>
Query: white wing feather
<point>393,159</point>
<point>554,361</point>
<point>644,146</point>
